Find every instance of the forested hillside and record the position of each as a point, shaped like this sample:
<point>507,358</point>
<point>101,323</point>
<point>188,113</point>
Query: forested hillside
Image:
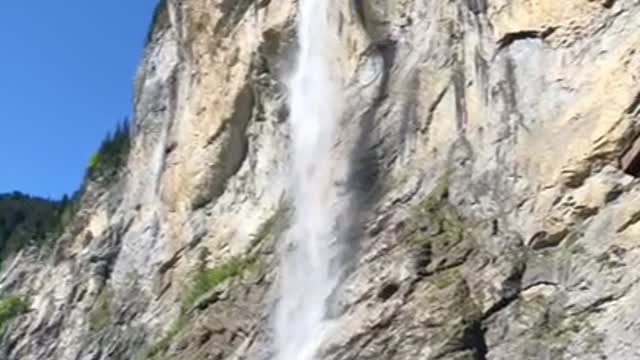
<point>26,220</point>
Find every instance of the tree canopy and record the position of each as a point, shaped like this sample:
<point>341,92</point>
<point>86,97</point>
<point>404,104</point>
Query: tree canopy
<point>25,220</point>
<point>113,152</point>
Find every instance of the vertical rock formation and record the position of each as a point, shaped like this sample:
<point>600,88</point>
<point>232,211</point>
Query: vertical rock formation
<point>490,216</point>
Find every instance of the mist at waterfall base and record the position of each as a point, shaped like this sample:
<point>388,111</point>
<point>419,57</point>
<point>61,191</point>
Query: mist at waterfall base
<point>309,274</point>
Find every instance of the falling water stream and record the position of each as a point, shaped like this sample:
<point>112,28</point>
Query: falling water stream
<point>309,272</point>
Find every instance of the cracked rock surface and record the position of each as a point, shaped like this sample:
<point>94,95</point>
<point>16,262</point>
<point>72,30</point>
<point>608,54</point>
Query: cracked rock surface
<point>491,219</point>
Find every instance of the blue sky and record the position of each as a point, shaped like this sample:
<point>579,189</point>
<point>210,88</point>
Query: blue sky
<point>66,72</point>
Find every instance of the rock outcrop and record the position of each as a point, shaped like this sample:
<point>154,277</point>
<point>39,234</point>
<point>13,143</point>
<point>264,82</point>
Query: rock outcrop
<point>491,216</point>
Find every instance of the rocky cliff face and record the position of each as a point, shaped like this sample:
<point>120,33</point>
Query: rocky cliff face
<point>491,219</point>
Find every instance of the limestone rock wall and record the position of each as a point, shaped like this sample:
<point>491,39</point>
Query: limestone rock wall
<point>491,219</point>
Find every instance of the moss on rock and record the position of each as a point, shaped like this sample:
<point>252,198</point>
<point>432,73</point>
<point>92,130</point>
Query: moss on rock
<point>435,222</point>
<point>12,306</point>
<point>100,314</point>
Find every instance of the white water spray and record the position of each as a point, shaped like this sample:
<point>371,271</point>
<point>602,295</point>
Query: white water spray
<point>309,270</point>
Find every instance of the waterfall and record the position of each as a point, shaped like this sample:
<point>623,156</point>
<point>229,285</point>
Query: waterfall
<point>309,270</point>
<point>159,155</point>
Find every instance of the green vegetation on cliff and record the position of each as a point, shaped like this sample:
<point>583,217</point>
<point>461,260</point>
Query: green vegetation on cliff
<point>112,154</point>
<point>100,314</point>
<point>11,306</point>
<point>204,282</point>
<point>160,18</point>
<point>209,279</point>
